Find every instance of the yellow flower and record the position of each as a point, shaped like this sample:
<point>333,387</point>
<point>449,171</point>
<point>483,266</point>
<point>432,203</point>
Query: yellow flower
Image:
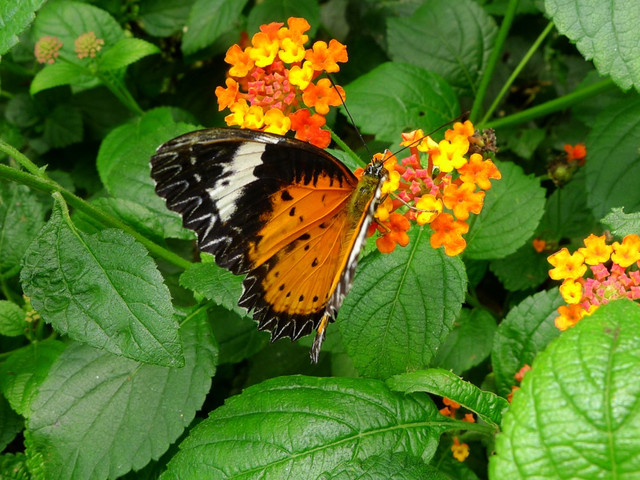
<point>450,155</point>
<point>571,291</point>
<point>596,251</point>
<point>276,122</point>
<point>392,183</point>
<point>567,265</point>
<point>264,49</point>
<point>627,252</point>
<point>430,207</point>
<point>254,118</point>
<point>301,76</point>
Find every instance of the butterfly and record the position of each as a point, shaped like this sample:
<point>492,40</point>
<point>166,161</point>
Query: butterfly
<point>285,213</point>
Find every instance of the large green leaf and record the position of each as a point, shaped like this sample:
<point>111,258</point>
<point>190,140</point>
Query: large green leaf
<point>577,413</point>
<point>58,74</point>
<point>444,383</point>
<point>384,467</point>
<point>123,165</point>
<point>208,20</point>
<point>24,370</point>
<point>98,416</point>
<point>397,97</point>
<point>511,212</point>
<point>613,160</point>
<point>299,427</point>
<point>14,18</point>
<point>125,52</point>
<point>21,216</point>
<point>622,224</point>
<point>101,289</point>
<point>401,307</point>
<point>452,39</point>
<point>163,18</point>
<point>605,32</point>
<point>526,331</point>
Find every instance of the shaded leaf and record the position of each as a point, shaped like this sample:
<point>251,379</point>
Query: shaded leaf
<point>280,10</point>
<point>24,370</point>
<point>526,330</point>
<point>457,49</point>
<point>10,425</point>
<point>208,20</point>
<point>384,467</point>
<point>101,289</point>
<point>21,216</point>
<point>98,415</point>
<point>238,337</point>
<point>613,163</point>
<point>446,384</point>
<point>511,212</point>
<point>63,126</point>
<point>523,269</point>
<point>12,319</point>
<point>162,18</point>
<point>409,96</point>
<point>326,421</point>
<point>577,413</point>
<point>401,307</point>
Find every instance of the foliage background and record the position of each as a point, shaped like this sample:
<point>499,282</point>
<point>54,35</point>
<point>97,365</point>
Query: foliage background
<point>138,362</point>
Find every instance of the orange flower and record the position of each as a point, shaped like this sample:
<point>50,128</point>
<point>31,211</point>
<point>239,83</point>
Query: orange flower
<point>322,95</point>
<point>308,128</point>
<point>539,245</point>
<point>519,376</point>
<point>397,235</point>
<point>227,96</point>
<point>569,316</point>
<point>460,130</point>
<point>479,171</point>
<point>240,61</point>
<point>460,450</point>
<point>566,265</point>
<point>628,252</point>
<point>577,152</point>
<point>325,57</point>
<point>448,232</point>
<point>462,199</point>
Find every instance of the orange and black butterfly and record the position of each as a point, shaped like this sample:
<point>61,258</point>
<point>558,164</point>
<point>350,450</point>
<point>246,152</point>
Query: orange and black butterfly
<point>289,215</point>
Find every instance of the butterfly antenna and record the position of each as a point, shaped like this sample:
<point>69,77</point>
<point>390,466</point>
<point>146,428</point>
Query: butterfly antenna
<point>344,104</point>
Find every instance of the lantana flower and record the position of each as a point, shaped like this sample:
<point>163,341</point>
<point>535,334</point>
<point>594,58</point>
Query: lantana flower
<point>614,273</point>
<point>47,49</point>
<point>276,72</point>
<point>437,183</point>
<point>88,45</point>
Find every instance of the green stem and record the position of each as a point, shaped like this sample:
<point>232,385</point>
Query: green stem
<point>49,186</point>
<point>346,148</point>
<point>117,87</point>
<point>496,52</point>
<point>516,72</point>
<point>22,159</point>
<point>554,105</point>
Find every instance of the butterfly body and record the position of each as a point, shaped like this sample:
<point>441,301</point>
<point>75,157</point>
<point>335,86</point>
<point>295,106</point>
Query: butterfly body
<point>287,214</point>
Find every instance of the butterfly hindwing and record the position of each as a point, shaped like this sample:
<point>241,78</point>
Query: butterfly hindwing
<point>280,210</point>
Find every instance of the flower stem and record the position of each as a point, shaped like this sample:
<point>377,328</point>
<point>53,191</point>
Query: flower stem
<point>46,185</point>
<point>496,52</point>
<point>554,105</point>
<point>515,73</point>
<point>346,148</point>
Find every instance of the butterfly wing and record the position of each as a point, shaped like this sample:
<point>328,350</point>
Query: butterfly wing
<point>284,212</point>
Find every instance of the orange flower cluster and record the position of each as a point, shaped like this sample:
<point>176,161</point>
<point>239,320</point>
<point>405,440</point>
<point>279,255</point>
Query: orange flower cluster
<point>518,376</point>
<point>615,275</point>
<point>562,168</point>
<point>47,49</point>
<point>449,180</point>
<point>459,450</point>
<point>272,80</point>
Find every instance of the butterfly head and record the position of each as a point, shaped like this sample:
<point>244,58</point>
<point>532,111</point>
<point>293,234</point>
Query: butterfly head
<point>377,170</point>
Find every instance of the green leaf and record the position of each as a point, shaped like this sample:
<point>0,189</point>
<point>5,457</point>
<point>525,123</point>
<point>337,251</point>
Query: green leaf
<point>125,52</point>
<point>280,10</point>
<point>511,212</point>
<point>523,269</point>
<point>622,224</point>
<point>613,160</point>
<point>526,330</point>
<point>208,20</point>
<point>457,49</point>
<point>68,20</point>
<point>384,467</point>
<point>524,142</point>
<point>99,416</point>
<point>101,289</point>
<point>444,383</point>
<point>401,307</point>
<point>14,467</point>
<point>214,283</point>
<point>577,413</point>
<point>12,319</point>
<point>163,18</point>
<point>603,32</point>
<point>63,126</point>
<point>300,427</point>
<point>397,97</point>
<point>469,343</point>
<point>15,17</point>
<point>57,74</point>
<point>567,214</point>
<point>21,216</point>
<point>10,424</point>
<point>238,337</point>
<point>24,370</point>
<point>123,164</point>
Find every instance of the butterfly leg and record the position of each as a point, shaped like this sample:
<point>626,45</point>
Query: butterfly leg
<point>317,342</point>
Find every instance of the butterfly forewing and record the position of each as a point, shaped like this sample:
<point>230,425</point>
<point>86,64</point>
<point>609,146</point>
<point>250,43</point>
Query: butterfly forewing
<point>282,211</point>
